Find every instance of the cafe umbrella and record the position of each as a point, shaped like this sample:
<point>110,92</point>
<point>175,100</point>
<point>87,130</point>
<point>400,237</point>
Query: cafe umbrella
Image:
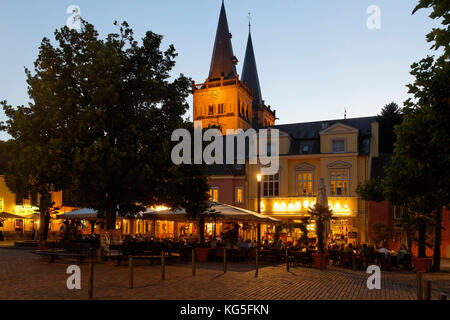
<point>322,200</point>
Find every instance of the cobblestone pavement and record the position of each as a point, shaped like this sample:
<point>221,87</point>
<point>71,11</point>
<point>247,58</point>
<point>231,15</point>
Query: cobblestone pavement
<point>24,275</point>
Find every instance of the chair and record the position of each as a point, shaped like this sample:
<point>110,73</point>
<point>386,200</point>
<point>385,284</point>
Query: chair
<point>218,254</point>
<point>383,261</point>
<point>347,259</point>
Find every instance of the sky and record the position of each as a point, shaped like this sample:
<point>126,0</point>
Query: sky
<point>315,57</point>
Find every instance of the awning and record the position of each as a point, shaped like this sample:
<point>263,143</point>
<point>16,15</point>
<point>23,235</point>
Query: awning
<point>225,211</point>
<point>81,214</point>
<point>165,215</point>
<point>6,215</point>
<point>222,212</point>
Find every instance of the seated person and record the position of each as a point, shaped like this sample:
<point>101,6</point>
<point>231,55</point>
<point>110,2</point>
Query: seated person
<point>401,252</point>
<point>349,248</point>
<point>384,250</point>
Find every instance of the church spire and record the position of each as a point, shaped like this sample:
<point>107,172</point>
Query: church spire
<point>250,72</point>
<point>223,62</point>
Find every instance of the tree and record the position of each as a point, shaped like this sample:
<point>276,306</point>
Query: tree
<point>100,124</point>
<point>419,174</point>
<point>439,36</point>
<point>382,233</point>
<point>390,117</point>
<point>371,190</point>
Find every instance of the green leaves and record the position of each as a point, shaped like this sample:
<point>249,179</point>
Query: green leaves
<point>100,122</point>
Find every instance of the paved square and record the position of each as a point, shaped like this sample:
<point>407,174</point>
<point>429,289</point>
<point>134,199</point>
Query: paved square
<point>24,275</point>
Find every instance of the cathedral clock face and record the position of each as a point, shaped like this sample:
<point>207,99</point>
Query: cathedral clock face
<point>215,95</point>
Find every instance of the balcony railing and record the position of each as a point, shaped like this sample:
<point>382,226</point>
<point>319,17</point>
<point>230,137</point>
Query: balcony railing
<point>222,83</point>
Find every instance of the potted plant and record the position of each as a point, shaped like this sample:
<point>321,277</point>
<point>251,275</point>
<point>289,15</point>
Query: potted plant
<point>322,215</point>
<point>421,263</point>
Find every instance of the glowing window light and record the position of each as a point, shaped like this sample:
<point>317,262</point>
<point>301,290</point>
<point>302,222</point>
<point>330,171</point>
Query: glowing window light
<point>291,207</point>
<point>160,208</point>
<point>346,207</point>
<point>263,207</point>
<point>313,204</point>
<point>283,206</point>
<point>306,204</point>
<point>298,206</point>
<point>337,207</point>
<point>276,206</point>
<point>330,206</point>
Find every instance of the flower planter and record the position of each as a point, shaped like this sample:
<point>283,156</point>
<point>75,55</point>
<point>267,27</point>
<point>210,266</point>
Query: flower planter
<point>422,264</point>
<point>325,257</point>
<point>202,254</point>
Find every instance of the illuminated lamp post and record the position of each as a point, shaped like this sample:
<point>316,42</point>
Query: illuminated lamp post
<point>259,178</point>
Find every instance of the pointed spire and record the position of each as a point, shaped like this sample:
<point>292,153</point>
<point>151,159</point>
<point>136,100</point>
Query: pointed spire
<point>223,62</point>
<point>250,72</point>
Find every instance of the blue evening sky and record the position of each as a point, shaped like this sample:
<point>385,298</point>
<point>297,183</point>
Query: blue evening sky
<point>315,57</point>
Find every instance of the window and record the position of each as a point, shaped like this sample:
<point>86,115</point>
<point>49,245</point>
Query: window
<point>1,205</point>
<point>339,181</point>
<point>305,183</point>
<point>305,149</point>
<point>239,195</point>
<point>211,110</point>
<point>214,194</point>
<point>271,185</point>
<point>338,146</point>
<point>221,110</point>
<point>400,212</point>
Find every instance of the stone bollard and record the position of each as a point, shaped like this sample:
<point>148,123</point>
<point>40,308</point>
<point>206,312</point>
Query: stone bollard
<point>224,260</point>
<point>193,263</point>
<point>257,262</point>
<point>419,286</point>
<point>91,281</point>
<point>163,265</point>
<point>130,272</point>
<point>428,290</point>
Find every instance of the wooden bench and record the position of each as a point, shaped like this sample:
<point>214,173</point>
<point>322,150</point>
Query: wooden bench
<point>61,253</point>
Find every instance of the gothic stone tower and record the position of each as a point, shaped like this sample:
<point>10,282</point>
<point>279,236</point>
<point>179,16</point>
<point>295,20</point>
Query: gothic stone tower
<point>263,116</point>
<point>223,100</point>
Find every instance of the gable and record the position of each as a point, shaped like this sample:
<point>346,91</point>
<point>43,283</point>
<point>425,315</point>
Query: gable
<point>338,128</point>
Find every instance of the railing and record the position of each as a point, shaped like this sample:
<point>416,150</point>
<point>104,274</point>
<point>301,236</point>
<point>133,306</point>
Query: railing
<point>222,83</point>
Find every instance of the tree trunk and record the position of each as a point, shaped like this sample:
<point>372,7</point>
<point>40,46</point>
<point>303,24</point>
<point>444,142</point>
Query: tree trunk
<point>320,229</point>
<point>201,230</point>
<point>110,215</point>
<point>44,214</point>
<point>437,242</point>
<point>422,240</point>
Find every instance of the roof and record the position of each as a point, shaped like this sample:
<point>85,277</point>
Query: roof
<point>306,138</point>
<point>226,170</point>
<point>222,212</point>
<point>85,213</point>
<point>223,62</point>
<point>250,72</point>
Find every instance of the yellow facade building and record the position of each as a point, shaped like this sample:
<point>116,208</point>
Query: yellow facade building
<point>340,152</point>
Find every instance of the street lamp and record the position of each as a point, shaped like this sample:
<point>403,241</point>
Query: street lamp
<point>259,178</point>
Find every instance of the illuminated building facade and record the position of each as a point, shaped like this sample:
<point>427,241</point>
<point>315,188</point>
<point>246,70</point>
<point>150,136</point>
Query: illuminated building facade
<point>340,152</point>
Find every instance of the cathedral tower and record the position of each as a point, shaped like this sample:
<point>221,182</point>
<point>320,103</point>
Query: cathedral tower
<point>223,100</point>
<point>263,116</point>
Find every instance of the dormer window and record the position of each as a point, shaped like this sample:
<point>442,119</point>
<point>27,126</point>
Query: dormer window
<point>306,149</point>
<point>338,146</point>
